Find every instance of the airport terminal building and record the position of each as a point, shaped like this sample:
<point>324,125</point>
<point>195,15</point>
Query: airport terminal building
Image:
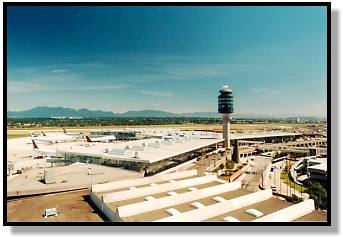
<point>148,155</point>
<point>152,155</point>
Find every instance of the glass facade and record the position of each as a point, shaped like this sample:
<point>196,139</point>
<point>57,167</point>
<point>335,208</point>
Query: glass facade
<point>225,102</point>
<point>120,135</point>
<point>130,165</point>
<point>149,168</point>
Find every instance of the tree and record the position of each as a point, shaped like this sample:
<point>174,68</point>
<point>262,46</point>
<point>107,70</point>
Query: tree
<point>318,193</point>
<point>230,164</point>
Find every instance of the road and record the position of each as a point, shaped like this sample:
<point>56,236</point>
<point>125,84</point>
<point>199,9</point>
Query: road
<point>252,180</point>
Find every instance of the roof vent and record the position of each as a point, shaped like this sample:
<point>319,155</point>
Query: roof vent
<point>136,155</point>
<point>192,189</point>
<point>172,193</point>
<point>173,212</point>
<point>149,198</point>
<point>219,199</point>
<point>230,219</point>
<point>197,205</point>
<point>254,212</point>
<point>50,212</point>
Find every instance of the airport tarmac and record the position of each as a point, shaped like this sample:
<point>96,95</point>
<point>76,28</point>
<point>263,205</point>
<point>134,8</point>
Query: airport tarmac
<point>20,149</point>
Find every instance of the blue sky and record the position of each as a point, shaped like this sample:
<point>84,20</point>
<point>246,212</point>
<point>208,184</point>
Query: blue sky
<point>168,58</point>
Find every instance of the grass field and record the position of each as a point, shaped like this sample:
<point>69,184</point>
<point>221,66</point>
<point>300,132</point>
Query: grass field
<point>13,136</point>
<point>215,127</point>
<point>286,180</point>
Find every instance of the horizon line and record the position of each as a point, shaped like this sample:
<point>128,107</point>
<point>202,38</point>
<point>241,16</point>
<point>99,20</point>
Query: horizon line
<point>234,114</point>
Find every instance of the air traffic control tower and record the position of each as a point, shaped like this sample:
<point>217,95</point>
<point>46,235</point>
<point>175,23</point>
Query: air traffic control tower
<point>225,108</point>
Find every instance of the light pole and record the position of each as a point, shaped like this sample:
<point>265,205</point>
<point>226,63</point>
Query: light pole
<point>262,177</point>
<point>90,173</point>
<point>280,180</point>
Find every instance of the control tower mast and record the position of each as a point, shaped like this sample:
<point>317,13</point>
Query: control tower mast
<point>225,108</point>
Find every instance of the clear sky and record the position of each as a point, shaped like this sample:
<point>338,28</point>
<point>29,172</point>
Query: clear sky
<point>168,58</point>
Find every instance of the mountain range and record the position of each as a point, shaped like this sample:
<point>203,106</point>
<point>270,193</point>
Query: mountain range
<point>47,112</point>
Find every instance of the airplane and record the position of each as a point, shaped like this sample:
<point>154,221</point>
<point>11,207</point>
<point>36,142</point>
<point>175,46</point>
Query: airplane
<point>43,152</point>
<point>72,134</point>
<point>52,139</point>
<point>32,134</point>
<point>101,139</point>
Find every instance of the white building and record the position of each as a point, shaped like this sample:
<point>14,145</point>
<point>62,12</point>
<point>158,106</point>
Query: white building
<point>186,197</point>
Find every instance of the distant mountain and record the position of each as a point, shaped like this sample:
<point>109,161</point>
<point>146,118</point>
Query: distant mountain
<point>47,112</point>
<point>148,113</point>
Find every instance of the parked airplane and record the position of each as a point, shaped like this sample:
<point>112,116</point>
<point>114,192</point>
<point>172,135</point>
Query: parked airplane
<point>53,138</point>
<point>80,134</point>
<point>101,139</point>
<point>32,134</point>
<point>43,152</point>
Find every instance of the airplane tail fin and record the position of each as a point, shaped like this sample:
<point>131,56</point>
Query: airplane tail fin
<point>34,144</point>
<point>43,133</point>
<point>64,131</point>
<point>88,139</point>
<point>82,135</point>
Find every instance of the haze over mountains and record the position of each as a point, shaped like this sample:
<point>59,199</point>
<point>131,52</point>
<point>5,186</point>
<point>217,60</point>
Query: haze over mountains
<point>47,112</point>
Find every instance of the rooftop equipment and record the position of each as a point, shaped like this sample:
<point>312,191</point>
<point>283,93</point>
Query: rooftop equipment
<point>219,199</point>
<point>49,177</point>
<point>230,219</point>
<point>197,205</point>
<point>118,151</point>
<point>50,212</point>
<point>172,193</point>
<point>173,211</point>
<point>254,212</point>
<point>149,198</point>
<point>136,155</point>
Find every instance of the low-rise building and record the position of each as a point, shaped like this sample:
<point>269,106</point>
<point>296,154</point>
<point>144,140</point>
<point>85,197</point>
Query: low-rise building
<point>186,197</point>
